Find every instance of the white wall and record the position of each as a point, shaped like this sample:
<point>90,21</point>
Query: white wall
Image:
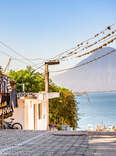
<point>42,123</point>
<point>30,115</point>
<point>18,114</point>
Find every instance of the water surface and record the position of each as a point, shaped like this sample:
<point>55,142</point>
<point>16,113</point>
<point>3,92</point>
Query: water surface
<point>97,108</point>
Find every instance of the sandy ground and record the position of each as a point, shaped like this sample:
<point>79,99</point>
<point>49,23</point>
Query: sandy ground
<point>45,143</point>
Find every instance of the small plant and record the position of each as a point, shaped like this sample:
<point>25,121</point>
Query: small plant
<point>59,128</point>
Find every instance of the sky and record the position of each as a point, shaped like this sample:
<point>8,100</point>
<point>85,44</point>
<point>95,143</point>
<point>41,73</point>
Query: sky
<point>45,28</point>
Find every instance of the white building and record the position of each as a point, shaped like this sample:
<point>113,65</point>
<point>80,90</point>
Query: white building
<point>33,111</point>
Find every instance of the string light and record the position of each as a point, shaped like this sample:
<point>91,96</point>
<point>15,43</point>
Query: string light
<point>103,45</point>
<point>88,46</point>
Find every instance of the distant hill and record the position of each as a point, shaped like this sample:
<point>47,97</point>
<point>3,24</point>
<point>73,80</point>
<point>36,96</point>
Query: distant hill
<point>99,75</point>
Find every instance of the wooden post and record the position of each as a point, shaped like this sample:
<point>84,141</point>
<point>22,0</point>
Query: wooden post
<point>46,78</point>
<point>46,91</point>
<point>9,60</point>
<point>52,62</point>
<point>23,87</point>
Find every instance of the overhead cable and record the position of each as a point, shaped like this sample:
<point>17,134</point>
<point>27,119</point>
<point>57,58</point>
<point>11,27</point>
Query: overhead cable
<point>101,46</point>
<point>80,65</point>
<point>14,51</point>
<point>86,41</point>
<point>76,50</point>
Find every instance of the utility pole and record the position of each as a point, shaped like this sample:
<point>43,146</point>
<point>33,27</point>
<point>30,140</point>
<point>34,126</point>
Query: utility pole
<point>23,87</point>
<point>46,78</point>
<point>51,62</point>
<point>9,60</point>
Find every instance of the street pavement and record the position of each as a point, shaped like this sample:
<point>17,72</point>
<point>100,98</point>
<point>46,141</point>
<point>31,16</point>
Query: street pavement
<point>61,143</point>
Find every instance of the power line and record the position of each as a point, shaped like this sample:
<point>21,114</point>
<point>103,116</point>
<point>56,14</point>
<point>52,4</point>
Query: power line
<point>40,67</point>
<point>5,53</point>
<point>101,40</point>
<point>86,41</point>
<point>42,64</point>
<point>25,58</point>
<point>58,56</point>
<point>34,59</point>
<point>84,63</point>
<point>105,44</point>
<point>19,60</point>
<point>106,37</point>
<point>13,58</point>
<point>101,32</point>
<point>14,51</point>
<point>76,50</point>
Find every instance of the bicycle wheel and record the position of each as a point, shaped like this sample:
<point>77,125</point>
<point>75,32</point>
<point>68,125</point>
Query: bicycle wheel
<point>17,126</point>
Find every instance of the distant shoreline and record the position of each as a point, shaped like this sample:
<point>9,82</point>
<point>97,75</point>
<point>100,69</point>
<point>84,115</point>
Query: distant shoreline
<point>83,93</point>
<point>112,91</point>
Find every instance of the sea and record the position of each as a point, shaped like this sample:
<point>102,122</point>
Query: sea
<point>96,109</point>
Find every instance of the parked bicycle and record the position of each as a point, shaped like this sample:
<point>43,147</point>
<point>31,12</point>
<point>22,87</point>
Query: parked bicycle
<point>11,125</point>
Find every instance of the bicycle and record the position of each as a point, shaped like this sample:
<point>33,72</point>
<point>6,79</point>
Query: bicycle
<point>11,125</point>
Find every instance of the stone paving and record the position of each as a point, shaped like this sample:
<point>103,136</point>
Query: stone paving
<point>45,143</point>
<point>103,144</point>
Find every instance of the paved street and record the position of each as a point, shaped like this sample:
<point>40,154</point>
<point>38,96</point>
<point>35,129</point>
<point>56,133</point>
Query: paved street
<point>102,145</point>
<point>44,143</point>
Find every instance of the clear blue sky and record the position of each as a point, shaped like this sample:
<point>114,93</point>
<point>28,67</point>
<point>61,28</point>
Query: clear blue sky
<point>42,28</point>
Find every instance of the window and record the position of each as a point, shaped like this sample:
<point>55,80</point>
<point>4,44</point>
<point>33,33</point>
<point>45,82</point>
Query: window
<point>39,111</point>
